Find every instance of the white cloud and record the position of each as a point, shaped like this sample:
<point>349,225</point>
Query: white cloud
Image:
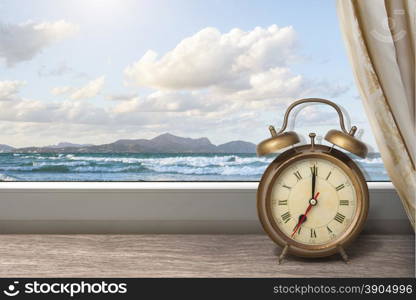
<point>76,112</point>
<point>90,90</point>
<point>120,96</point>
<point>210,58</point>
<point>209,84</point>
<point>275,83</point>
<point>61,90</point>
<point>166,101</point>
<point>21,42</point>
<point>316,115</point>
<point>233,71</point>
<point>9,89</point>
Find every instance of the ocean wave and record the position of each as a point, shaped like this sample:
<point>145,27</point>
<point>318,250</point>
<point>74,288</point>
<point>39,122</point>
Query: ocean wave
<point>225,171</point>
<point>206,161</point>
<point>178,166</point>
<point>4,177</point>
<point>192,161</point>
<point>375,160</point>
<point>97,169</point>
<point>58,157</point>
<point>126,160</point>
<point>139,168</point>
<point>46,168</point>
<point>244,171</point>
<point>24,156</point>
<point>62,163</point>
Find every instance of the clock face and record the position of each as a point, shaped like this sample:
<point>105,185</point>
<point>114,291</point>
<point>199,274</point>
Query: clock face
<point>313,201</point>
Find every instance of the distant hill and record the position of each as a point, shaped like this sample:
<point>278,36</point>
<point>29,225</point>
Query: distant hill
<point>66,145</point>
<point>165,143</point>
<point>6,148</point>
<point>237,146</point>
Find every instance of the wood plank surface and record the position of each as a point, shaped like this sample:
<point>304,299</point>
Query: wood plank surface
<point>194,256</point>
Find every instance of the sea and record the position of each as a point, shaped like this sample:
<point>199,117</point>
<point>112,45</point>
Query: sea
<point>150,167</point>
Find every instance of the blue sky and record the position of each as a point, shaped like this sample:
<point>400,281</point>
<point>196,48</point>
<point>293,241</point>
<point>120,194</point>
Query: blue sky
<point>82,71</point>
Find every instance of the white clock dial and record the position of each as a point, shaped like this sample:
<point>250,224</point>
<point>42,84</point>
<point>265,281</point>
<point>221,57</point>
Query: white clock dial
<point>307,220</point>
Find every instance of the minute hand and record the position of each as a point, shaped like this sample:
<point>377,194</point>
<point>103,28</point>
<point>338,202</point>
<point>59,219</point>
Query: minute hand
<point>313,180</point>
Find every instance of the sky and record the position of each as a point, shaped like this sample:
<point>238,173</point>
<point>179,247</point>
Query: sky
<point>95,71</point>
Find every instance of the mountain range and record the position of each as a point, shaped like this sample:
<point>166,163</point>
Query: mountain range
<point>165,143</point>
<point>6,148</point>
<point>66,145</point>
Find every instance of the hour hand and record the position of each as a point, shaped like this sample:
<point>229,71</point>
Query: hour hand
<point>302,218</point>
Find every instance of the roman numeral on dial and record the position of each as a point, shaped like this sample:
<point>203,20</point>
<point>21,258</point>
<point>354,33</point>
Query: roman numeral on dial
<point>344,202</point>
<point>285,186</point>
<point>298,176</point>
<point>282,202</point>
<point>329,174</point>
<point>329,229</point>
<point>314,170</point>
<point>339,218</point>
<point>300,228</point>
<point>286,217</point>
<point>313,233</point>
<point>340,187</point>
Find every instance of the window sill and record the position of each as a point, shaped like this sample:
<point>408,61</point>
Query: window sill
<point>158,207</point>
<point>150,185</point>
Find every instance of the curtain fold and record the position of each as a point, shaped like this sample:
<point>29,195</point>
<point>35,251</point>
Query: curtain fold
<point>380,40</point>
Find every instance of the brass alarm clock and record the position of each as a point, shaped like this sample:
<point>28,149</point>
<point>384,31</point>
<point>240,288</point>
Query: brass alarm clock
<point>312,200</point>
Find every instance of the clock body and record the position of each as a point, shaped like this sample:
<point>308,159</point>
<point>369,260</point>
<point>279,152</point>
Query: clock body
<point>313,199</point>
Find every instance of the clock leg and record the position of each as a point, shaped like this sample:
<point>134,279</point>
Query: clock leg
<point>343,254</point>
<point>283,254</point>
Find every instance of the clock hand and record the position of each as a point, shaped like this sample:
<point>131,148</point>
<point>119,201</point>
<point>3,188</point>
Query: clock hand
<point>311,204</point>
<point>313,180</point>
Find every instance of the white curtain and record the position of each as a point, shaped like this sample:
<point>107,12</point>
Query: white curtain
<point>380,41</point>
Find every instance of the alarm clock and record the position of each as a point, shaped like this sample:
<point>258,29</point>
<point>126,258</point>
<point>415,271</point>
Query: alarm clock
<point>312,200</point>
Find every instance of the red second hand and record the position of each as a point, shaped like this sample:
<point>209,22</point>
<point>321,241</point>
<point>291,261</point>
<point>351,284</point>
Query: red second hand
<point>304,216</point>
